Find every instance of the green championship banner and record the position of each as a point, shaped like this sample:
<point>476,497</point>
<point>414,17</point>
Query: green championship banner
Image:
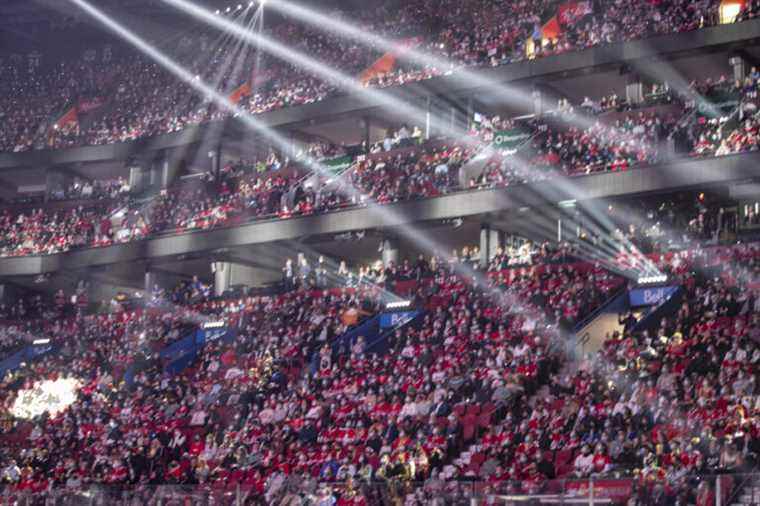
<point>338,165</point>
<point>510,140</point>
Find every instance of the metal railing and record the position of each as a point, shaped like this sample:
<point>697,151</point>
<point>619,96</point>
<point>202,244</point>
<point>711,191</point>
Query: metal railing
<point>707,490</point>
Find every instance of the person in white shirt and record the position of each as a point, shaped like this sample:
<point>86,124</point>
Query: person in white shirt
<point>584,463</point>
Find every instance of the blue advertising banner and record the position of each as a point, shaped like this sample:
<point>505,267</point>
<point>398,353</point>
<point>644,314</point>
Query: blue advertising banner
<point>388,320</point>
<point>650,296</point>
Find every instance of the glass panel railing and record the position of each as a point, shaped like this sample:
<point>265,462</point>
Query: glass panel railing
<point>652,488</point>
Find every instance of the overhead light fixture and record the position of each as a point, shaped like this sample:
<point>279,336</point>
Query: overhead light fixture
<point>400,304</point>
<point>651,280</point>
<point>40,341</point>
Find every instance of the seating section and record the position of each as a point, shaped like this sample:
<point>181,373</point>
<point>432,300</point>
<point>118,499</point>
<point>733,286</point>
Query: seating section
<point>575,141</point>
<point>475,377</point>
<point>126,96</point>
<point>477,388</point>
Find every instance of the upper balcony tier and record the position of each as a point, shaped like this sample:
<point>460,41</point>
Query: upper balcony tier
<point>722,40</point>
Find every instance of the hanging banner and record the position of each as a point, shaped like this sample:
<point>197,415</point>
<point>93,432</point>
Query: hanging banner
<point>242,91</point>
<point>617,490</point>
<point>551,29</point>
<point>387,62</point>
<point>69,117</point>
<point>86,105</point>
<point>382,66</point>
<point>338,165</point>
<point>510,140</point>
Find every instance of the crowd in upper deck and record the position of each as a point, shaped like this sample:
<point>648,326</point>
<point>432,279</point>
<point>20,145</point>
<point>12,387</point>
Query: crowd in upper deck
<point>136,98</point>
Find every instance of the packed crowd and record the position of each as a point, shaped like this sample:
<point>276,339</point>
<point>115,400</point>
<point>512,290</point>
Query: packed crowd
<point>401,167</point>
<point>137,98</point>
<point>245,413</point>
<point>475,389</point>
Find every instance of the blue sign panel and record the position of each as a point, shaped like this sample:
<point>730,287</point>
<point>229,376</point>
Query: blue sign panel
<point>388,320</point>
<point>650,296</point>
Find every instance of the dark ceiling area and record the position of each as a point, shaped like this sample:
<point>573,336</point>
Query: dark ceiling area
<point>27,25</point>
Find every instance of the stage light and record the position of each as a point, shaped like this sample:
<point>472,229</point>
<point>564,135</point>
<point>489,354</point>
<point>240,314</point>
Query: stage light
<point>401,304</point>
<point>46,397</point>
<point>652,280</point>
<point>240,6</point>
<point>228,9</point>
<point>40,341</point>
<point>218,12</point>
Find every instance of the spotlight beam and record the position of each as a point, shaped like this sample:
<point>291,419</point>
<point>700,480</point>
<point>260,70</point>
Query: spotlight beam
<point>199,85</point>
<point>316,67</point>
<point>323,70</point>
<point>415,235</point>
<point>459,73</point>
<point>385,215</point>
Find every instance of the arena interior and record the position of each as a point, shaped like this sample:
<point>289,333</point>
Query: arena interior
<point>379,252</point>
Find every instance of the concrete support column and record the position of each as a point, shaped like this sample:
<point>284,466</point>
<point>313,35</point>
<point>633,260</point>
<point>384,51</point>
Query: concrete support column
<point>8,293</point>
<point>165,168</point>
<point>427,118</point>
<point>390,251</point>
<point>233,275</point>
<point>161,170</point>
<point>490,240</point>
<point>538,102</point>
<point>366,122</point>
<point>222,276</point>
<point>154,171</point>
<point>216,161</point>
<point>53,180</point>
<point>634,89</point>
<point>739,66</point>
<point>470,111</point>
<point>150,280</point>
<point>136,178</point>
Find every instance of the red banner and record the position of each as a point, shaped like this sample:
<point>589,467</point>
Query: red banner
<point>616,490</point>
<point>551,29</point>
<point>387,62</point>
<point>242,91</point>
<point>69,117</point>
<point>90,104</point>
<point>570,12</point>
